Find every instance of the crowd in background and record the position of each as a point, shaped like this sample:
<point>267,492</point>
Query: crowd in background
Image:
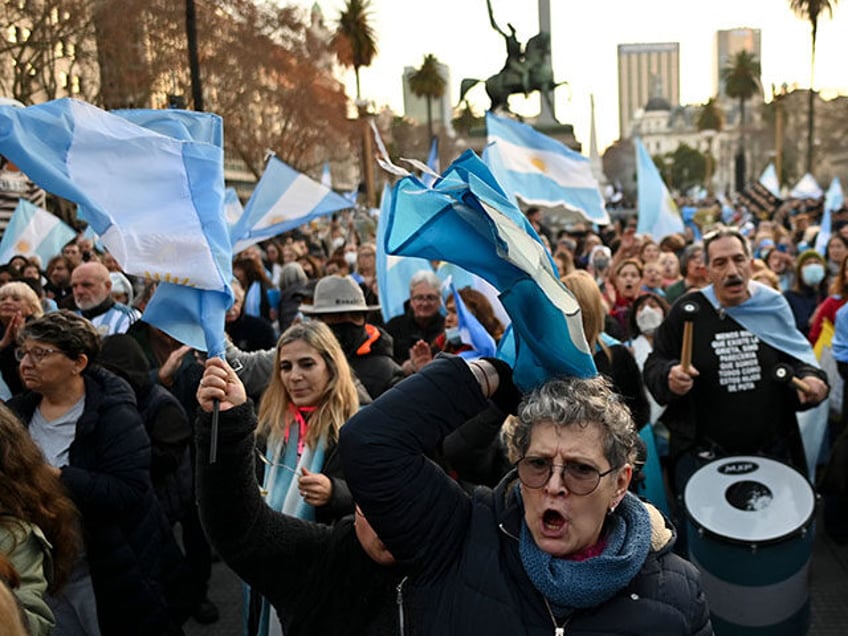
<point>77,358</point>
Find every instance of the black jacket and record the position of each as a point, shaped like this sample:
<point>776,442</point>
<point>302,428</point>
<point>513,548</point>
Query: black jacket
<point>317,577</point>
<point>108,478</point>
<point>462,551</point>
<point>370,357</point>
<point>406,332</point>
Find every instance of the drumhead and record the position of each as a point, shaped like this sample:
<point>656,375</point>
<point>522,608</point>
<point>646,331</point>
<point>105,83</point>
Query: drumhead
<point>749,499</point>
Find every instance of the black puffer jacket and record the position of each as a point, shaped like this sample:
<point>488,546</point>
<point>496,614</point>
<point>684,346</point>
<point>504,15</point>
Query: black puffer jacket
<point>462,550</point>
<point>108,478</point>
<point>317,577</point>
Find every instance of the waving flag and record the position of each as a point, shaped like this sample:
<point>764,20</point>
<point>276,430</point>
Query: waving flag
<point>658,214</point>
<point>833,201</point>
<point>232,207</point>
<point>450,273</point>
<point>540,171</point>
<point>770,181</point>
<point>156,201</point>
<point>393,272</point>
<point>283,199</point>
<point>327,176</point>
<point>432,163</point>
<point>188,125</point>
<point>33,231</point>
<point>471,331</point>
<point>807,188</point>
<point>468,220</point>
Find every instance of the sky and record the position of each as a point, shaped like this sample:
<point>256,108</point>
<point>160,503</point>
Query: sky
<point>585,36</point>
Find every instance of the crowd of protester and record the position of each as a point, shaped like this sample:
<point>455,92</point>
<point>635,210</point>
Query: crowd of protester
<point>120,412</point>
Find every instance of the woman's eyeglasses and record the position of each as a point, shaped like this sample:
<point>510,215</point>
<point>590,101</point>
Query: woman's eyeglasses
<point>36,354</point>
<point>579,478</point>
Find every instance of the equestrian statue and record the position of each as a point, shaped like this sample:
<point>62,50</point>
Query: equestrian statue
<point>524,71</point>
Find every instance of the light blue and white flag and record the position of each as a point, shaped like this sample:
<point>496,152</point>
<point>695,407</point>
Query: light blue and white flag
<point>807,188</point>
<point>156,202</point>
<point>468,220</point>
<point>282,200</point>
<point>327,176</point>
<point>186,125</point>
<point>432,163</point>
<point>770,181</point>
<point>658,214</point>
<point>233,208</point>
<point>833,200</point>
<point>460,278</point>
<point>34,232</point>
<point>393,272</point>
<point>537,170</point>
<point>471,331</point>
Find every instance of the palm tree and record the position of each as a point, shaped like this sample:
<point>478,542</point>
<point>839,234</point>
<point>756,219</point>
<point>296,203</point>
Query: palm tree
<point>354,41</point>
<point>709,122</point>
<point>741,79</point>
<point>428,82</point>
<point>810,10</point>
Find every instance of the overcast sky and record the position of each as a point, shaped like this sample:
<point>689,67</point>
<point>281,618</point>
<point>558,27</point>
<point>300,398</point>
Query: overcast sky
<point>585,37</point>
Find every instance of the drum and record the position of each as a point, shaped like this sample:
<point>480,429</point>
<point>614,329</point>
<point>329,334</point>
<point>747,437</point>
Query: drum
<point>750,534</point>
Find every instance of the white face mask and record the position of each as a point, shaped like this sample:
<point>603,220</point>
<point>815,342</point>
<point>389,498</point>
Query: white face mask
<point>648,319</point>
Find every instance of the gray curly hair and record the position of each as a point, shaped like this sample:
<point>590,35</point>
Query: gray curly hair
<point>575,401</point>
<point>65,330</point>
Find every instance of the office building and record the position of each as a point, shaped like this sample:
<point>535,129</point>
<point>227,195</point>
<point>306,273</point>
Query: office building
<point>646,71</point>
<point>728,44</point>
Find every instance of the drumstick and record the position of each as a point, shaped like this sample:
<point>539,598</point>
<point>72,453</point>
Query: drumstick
<point>690,308</point>
<point>783,373</point>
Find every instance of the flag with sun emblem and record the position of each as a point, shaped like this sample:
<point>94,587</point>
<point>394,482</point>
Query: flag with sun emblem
<point>155,200</point>
<point>537,170</point>
<point>33,231</point>
<point>658,214</point>
<point>283,199</point>
<point>466,219</point>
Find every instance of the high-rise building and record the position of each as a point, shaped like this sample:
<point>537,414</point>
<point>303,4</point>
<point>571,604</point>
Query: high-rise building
<point>728,44</point>
<point>415,107</point>
<point>646,71</point>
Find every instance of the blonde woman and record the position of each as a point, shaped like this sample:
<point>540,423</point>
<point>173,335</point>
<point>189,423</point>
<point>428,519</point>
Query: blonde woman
<point>309,398</point>
<point>18,304</point>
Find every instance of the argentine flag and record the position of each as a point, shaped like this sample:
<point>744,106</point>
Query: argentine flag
<point>466,219</point>
<point>540,171</point>
<point>282,200</point>
<point>471,331</point>
<point>833,201</point>
<point>156,201</point>
<point>188,125</point>
<point>393,272</point>
<point>770,181</point>
<point>658,214</point>
<point>233,208</point>
<point>33,231</point>
<point>807,188</point>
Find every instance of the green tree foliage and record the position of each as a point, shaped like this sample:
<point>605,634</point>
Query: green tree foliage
<point>812,10</point>
<point>428,82</point>
<point>355,41</point>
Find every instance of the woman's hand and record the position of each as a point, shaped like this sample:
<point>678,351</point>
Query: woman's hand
<point>315,488</point>
<point>169,368</point>
<point>11,333</point>
<point>220,382</point>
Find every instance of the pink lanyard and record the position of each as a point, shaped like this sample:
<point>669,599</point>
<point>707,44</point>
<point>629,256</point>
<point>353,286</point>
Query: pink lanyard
<point>298,413</point>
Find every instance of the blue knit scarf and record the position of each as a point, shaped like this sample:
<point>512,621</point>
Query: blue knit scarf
<point>569,585</point>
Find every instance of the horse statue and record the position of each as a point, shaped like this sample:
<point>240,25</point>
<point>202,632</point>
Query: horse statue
<point>530,71</point>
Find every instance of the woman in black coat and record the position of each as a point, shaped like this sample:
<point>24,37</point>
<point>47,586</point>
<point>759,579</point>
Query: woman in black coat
<point>85,420</point>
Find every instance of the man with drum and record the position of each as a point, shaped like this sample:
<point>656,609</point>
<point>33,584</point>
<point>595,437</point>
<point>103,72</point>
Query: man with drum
<point>732,368</point>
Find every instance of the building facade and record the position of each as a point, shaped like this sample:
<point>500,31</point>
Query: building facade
<point>646,71</point>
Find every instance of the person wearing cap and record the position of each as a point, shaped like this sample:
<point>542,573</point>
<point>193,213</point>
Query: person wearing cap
<point>339,303</point>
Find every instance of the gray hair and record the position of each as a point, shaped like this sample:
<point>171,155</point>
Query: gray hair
<point>724,232</point>
<point>576,401</point>
<point>425,276</point>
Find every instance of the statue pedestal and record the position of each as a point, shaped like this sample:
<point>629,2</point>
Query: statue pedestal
<point>563,133</point>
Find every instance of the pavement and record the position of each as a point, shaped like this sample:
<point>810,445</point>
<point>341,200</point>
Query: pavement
<point>828,594</point>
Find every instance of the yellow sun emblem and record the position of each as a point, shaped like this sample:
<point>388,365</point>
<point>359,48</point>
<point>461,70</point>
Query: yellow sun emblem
<point>539,163</point>
<point>22,247</point>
